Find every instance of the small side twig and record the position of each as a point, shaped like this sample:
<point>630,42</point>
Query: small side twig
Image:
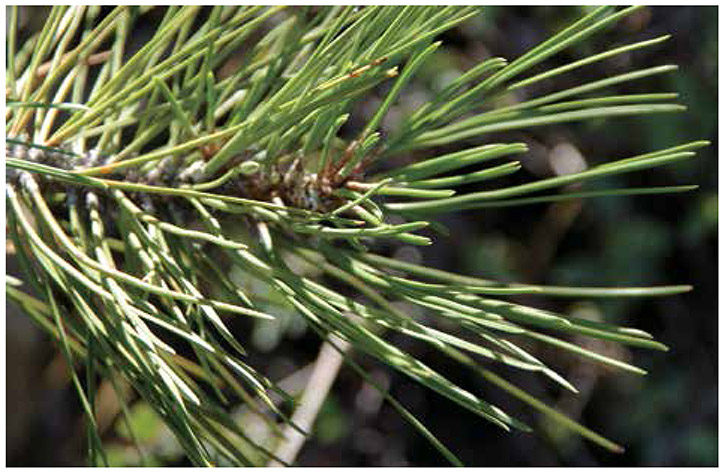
<point>326,368</point>
<point>92,60</point>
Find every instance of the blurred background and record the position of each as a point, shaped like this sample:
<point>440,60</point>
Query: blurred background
<point>667,418</point>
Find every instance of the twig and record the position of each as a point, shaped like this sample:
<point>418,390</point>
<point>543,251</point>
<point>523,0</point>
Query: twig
<point>326,367</point>
<point>92,60</point>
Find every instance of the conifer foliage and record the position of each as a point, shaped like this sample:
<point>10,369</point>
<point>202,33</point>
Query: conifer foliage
<point>162,197</point>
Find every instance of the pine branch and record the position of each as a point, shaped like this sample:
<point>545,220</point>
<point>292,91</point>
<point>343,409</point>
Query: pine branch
<point>225,174</point>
